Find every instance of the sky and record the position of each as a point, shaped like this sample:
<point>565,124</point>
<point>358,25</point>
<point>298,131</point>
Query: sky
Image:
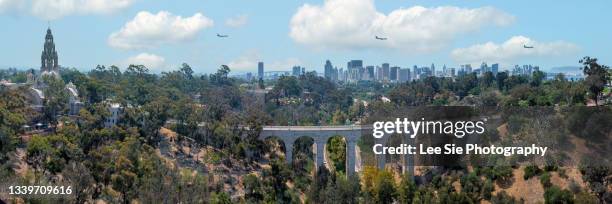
<point>163,34</point>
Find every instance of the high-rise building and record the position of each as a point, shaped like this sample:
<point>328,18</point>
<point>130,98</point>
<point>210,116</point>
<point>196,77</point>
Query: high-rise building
<point>354,70</point>
<point>425,72</point>
<point>249,76</point>
<point>329,70</point>
<point>393,73</point>
<point>385,71</point>
<point>296,71</point>
<point>484,68</point>
<point>525,70</point>
<point>335,74</point>
<point>260,70</point>
<point>444,71</point>
<point>467,68</point>
<point>354,64</point>
<point>403,75</point>
<point>379,73</point>
<point>433,70</point>
<point>370,71</point>
<point>495,69</point>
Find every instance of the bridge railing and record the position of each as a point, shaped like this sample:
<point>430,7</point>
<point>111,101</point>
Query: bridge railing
<point>330,127</point>
<point>306,127</point>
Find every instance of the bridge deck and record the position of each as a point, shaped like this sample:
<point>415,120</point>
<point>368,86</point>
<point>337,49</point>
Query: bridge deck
<point>315,128</point>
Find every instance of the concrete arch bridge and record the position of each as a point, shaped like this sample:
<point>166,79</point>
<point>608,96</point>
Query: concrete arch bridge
<point>321,134</point>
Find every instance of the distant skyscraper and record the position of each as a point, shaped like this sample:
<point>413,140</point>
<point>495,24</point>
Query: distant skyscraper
<point>354,64</point>
<point>329,70</point>
<point>444,71</point>
<point>342,76</point>
<point>433,70</point>
<point>525,70</point>
<point>495,69</point>
<point>484,68</point>
<point>403,75</point>
<point>354,70</point>
<point>385,71</point>
<point>370,70</point>
<point>468,68</point>
<point>393,73</point>
<point>335,74</point>
<point>296,71</point>
<point>249,76</point>
<point>260,70</point>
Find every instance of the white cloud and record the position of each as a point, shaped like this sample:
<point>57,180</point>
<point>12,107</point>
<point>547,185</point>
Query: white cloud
<point>347,24</point>
<point>55,9</point>
<point>512,49</point>
<point>237,21</point>
<point>151,61</point>
<point>149,30</point>
<point>8,5</point>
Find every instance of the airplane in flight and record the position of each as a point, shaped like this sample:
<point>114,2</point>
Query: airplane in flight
<point>527,47</point>
<point>379,38</point>
<point>221,36</point>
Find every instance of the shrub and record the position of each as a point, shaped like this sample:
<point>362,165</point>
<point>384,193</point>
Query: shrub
<point>562,173</point>
<point>530,171</point>
<point>551,167</point>
<point>503,198</point>
<point>555,195</point>
<point>586,198</point>
<point>573,186</point>
<point>487,189</point>
<point>545,180</point>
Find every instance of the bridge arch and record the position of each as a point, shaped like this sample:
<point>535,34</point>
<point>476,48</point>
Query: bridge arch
<point>405,161</point>
<point>336,144</point>
<point>277,144</point>
<point>303,152</point>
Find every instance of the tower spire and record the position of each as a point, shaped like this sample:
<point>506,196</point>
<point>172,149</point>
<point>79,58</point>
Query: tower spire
<point>49,62</point>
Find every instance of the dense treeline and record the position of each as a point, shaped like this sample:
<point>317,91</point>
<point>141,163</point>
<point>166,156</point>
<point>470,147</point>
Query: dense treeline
<point>505,90</point>
<point>123,164</point>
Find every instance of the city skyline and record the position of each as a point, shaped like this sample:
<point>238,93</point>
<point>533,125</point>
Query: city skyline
<point>156,34</point>
<point>356,71</point>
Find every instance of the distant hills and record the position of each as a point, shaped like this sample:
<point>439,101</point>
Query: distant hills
<point>566,69</point>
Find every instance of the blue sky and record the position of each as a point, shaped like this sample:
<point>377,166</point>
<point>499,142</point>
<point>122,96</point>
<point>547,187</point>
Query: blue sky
<point>286,33</point>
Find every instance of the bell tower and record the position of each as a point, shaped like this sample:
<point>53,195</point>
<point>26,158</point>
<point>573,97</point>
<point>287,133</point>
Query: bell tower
<point>48,58</point>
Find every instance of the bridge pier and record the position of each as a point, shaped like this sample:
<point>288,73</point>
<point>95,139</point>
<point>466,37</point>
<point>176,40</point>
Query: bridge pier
<point>408,164</point>
<point>381,159</point>
<point>408,160</point>
<point>350,156</point>
<point>320,152</point>
<point>288,149</point>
